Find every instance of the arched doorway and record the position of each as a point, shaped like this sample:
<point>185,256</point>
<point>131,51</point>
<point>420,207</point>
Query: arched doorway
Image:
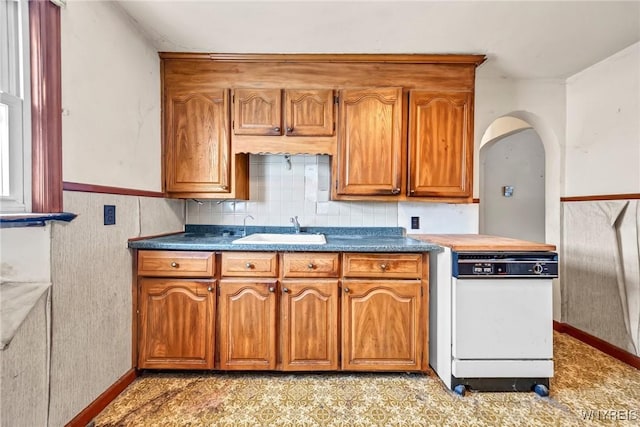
<point>553,182</point>
<point>512,181</point>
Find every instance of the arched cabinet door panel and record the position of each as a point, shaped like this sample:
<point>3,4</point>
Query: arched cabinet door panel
<point>440,143</point>
<point>381,325</point>
<point>197,141</point>
<point>370,142</point>
<point>257,112</point>
<point>176,323</point>
<point>247,324</point>
<point>309,324</point>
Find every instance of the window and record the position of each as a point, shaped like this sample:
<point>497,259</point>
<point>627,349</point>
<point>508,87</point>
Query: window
<point>15,108</point>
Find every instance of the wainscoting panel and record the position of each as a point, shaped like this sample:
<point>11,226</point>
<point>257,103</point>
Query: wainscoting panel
<point>600,270</point>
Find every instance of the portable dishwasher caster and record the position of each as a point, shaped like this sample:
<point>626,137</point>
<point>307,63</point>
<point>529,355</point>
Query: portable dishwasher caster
<point>541,390</point>
<point>460,390</point>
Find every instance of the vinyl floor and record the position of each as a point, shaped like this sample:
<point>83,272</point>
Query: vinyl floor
<point>589,388</point>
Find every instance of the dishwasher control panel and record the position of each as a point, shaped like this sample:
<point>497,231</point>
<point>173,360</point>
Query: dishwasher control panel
<point>505,264</point>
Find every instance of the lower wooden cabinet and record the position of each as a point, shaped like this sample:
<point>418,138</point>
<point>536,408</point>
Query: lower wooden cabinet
<point>381,325</point>
<point>247,324</point>
<point>176,329</point>
<point>309,325</point>
<point>307,312</point>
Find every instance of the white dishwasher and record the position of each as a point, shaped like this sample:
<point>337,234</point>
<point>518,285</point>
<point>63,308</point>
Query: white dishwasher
<point>491,320</point>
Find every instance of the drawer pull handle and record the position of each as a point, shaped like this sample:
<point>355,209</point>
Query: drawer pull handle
<point>346,290</point>
<point>175,264</point>
<point>383,267</point>
<point>248,265</point>
<point>310,265</point>
<point>272,288</point>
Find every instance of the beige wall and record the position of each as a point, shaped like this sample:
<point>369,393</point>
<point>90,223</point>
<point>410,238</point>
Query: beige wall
<point>603,127</point>
<point>110,99</point>
<point>92,285</point>
<point>111,136</point>
<point>24,383</point>
<point>600,260</point>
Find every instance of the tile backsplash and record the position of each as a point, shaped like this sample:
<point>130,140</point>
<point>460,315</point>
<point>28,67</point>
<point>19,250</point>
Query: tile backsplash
<point>283,187</point>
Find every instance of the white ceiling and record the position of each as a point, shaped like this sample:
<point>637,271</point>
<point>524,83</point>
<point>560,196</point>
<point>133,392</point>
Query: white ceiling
<point>537,39</point>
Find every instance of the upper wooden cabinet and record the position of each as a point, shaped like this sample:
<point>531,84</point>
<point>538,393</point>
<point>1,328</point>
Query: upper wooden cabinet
<point>198,143</point>
<point>308,112</point>
<point>401,130</point>
<point>257,112</point>
<point>369,158</point>
<point>440,143</point>
<point>198,161</point>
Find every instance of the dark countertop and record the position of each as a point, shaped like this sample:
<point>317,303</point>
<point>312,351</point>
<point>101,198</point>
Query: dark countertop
<point>339,239</point>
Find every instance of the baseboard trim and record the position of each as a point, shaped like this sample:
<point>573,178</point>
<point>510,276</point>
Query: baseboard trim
<point>91,188</point>
<point>595,342</point>
<point>91,411</point>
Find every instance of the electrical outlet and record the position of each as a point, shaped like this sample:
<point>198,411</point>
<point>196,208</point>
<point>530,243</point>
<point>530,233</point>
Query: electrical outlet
<point>109,214</point>
<point>415,222</point>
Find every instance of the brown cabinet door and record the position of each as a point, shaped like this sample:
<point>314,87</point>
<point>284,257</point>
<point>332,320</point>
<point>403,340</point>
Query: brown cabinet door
<point>440,143</point>
<point>308,112</point>
<point>381,325</point>
<point>247,324</point>
<point>370,142</point>
<point>197,141</point>
<point>176,329</point>
<point>257,112</point>
<point>309,323</point>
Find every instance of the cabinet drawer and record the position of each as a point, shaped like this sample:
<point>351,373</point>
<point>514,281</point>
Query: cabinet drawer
<point>250,264</point>
<point>310,265</point>
<point>176,264</point>
<point>381,266</point>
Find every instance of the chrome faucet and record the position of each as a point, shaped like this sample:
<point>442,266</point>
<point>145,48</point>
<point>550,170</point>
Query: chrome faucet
<point>244,225</point>
<point>296,224</point>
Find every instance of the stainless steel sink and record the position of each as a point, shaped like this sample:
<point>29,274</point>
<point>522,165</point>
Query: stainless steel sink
<point>282,239</point>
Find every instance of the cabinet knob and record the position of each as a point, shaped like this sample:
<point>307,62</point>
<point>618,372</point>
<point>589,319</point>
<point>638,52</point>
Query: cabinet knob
<point>383,267</point>
<point>289,129</point>
<point>310,266</point>
<point>285,290</point>
<point>248,265</point>
<point>272,288</point>
<point>210,288</point>
<point>346,290</point>
<point>175,264</point>
<point>276,129</point>
<point>224,187</point>
<point>395,191</point>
